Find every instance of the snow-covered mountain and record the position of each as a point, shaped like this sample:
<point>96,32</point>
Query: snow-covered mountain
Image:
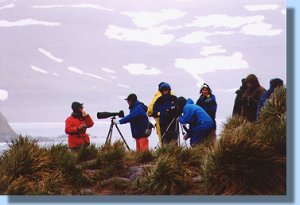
<point>97,52</point>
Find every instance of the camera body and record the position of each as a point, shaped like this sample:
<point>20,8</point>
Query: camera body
<point>103,115</point>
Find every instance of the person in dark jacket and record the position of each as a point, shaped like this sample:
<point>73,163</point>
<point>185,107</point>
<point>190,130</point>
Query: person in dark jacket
<point>138,120</point>
<point>237,108</point>
<point>251,97</point>
<point>208,102</point>
<point>76,126</point>
<point>200,123</point>
<point>274,83</point>
<point>164,108</point>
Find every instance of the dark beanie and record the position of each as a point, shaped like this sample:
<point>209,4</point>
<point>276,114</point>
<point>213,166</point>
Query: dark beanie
<point>160,84</point>
<point>132,97</point>
<point>180,103</point>
<point>164,86</point>
<point>76,106</point>
<point>274,83</point>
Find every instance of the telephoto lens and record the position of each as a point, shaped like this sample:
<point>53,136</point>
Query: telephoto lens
<point>103,115</point>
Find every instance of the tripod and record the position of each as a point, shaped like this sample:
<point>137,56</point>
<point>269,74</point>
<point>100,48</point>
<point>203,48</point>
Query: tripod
<point>109,135</point>
<point>165,133</point>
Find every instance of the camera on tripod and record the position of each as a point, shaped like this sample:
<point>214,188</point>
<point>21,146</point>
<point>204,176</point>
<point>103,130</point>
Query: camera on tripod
<point>103,115</point>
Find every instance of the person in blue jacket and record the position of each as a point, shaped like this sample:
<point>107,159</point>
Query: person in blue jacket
<point>200,123</point>
<point>138,122</point>
<point>274,83</point>
<point>164,108</point>
<point>208,102</point>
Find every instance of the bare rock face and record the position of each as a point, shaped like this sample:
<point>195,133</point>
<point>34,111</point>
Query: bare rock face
<point>6,132</point>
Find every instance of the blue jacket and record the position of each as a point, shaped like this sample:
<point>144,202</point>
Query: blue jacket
<point>209,104</point>
<point>138,120</point>
<point>162,105</point>
<point>263,99</point>
<point>196,117</point>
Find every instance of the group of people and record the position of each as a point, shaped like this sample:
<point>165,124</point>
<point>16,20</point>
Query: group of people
<point>251,97</point>
<point>171,112</point>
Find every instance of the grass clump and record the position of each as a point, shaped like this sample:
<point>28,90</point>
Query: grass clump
<point>238,166</point>
<point>27,169</point>
<point>166,177</point>
<point>110,160</point>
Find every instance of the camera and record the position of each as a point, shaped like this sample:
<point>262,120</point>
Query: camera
<point>103,115</point>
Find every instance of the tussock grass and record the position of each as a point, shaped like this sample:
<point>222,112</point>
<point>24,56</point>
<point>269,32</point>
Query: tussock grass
<point>250,157</point>
<point>27,169</point>
<point>272,121</point>
<point>167,177</point>
<point>110,160</point>
<point>238,166</point>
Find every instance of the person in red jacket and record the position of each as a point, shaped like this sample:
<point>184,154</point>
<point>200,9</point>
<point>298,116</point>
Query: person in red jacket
<point>76,126</point>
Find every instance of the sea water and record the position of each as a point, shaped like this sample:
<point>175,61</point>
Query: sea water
<point>51,133</point>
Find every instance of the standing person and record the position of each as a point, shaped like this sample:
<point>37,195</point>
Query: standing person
<point>164,108</point>
<point>150,111</point>
<point>200,123</point>
<point>251,97</point>
<point>237,108</point>
<point>76,126</point>
<point>138,120</point>
<point>208,102</point>
<point>274,83</point>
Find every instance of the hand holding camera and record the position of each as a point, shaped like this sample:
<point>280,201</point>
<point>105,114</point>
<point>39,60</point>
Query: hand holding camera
<point>82,128</point>
<point>115,121</point>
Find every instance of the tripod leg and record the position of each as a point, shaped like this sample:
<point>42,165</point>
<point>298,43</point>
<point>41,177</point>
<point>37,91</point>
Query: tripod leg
<point>109,134</point>
<point>122,137</point>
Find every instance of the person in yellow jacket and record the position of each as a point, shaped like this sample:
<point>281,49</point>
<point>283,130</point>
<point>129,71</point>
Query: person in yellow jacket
<point>150,112</point>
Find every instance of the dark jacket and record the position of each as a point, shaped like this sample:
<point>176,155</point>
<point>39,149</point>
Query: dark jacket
<point>164,108</point>
<point>200,122</point>
<point>274,83</point>
<point>138,120</point>
<point>251,98</point>
<point>238,102</point>
<point>209,104</point>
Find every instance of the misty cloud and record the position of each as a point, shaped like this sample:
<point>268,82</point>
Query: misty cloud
<point>27,22</point>
<point>220,20</point>
<point>260,29</point>
<point>261,7</point>
<point>83,6</point>
<point>198,66</point>
<point>147,19</point>
<point>7,6</point>
<point>152,36</point>
<point>201,36</point>
<point>141,69</point>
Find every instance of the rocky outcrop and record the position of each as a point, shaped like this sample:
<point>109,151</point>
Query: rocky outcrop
<point>6,132</point>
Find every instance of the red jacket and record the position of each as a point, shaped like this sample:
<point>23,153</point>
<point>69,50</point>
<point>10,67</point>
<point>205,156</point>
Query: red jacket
<point>78,137</point>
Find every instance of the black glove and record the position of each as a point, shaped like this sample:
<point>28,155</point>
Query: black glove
<point>82,128</point>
